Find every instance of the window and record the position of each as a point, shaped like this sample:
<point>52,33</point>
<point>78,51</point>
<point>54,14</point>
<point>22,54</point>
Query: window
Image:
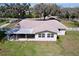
<point>41,35</point>
<point>49,35</point>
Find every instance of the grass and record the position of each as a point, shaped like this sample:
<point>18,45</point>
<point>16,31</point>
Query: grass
<point>65,45</point>
<point>70,23</point>
<point>29,48</point>
<point>70,44</point>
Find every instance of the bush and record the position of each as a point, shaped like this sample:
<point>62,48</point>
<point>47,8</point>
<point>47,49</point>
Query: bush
<point>37,16</point>
<point>76,23</point>
<point>57,37</point>
<point>29,16</point>
<point>4,20</point>
<point>2,35</point>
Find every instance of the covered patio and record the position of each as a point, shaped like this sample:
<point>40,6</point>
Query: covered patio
<point>18,33</point>
<point>20,36</point>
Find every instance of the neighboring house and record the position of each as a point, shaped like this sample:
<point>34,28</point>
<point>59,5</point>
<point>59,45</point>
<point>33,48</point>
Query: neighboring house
<point>37,30</point>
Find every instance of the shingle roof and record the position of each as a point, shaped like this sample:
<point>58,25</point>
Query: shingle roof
<point>39,26</point>
<point>32,24</point>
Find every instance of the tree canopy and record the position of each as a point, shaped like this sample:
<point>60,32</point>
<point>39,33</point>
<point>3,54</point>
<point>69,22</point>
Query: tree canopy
<point>25,10</point>
<point>44,10</point>
<point>14,10</point>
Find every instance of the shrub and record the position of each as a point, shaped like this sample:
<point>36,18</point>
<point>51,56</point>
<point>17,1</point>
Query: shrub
<point>2,35</point>
<point>29,16</point>
<point>76,23</point>
<point>4,20</point>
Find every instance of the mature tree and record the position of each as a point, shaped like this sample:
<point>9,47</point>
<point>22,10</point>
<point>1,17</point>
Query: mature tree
<point>69,13</point>
<point>28,7</point>
<point>14,10</point>
<point>46,9</point>
<point>54,9</point>
<point>19,10</point>
<point>41,10</point>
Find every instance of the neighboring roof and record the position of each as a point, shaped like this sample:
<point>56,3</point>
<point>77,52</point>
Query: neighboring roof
<point>30,26</point>
<point>53,17</point>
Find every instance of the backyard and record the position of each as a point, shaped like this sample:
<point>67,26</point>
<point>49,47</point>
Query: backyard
<point>65,45</point>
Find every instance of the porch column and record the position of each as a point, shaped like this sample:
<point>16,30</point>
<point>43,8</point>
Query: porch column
<point>7,36</point>
<point>25,36</point>
<point>16,36</point>
<point>46,35</point>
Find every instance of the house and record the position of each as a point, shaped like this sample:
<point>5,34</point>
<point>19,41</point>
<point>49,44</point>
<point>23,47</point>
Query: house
<point>37,30</point>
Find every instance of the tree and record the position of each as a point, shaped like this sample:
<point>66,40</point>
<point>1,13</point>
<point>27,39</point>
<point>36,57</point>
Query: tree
<point>54,9</point>
<point>46,9</point>
<point>41,10</point>
<point>14,10</point>
<point>28,7</point>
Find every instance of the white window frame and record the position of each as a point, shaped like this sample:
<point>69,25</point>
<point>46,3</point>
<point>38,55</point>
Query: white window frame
<point>41,35</point>
<point>50,35</point>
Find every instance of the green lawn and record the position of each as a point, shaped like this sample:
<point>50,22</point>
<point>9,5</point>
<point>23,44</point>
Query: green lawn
<point>65,45</point>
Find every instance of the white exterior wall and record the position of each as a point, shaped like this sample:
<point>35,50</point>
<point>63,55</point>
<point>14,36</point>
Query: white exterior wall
<point>54,38</point>
<point>62,32</point>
